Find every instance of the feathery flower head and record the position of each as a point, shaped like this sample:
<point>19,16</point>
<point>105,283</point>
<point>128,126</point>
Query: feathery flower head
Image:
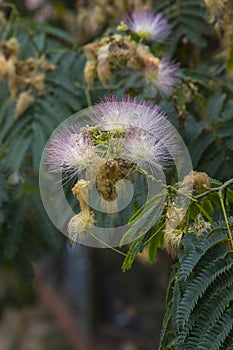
<point>140,149</point>
<point>128,129</point>
<point>148,25</point>
<point>146,133</point>
<point>121,114</point>
<point>69,150</point>
<point>149,150</point>
<point>162,74</point>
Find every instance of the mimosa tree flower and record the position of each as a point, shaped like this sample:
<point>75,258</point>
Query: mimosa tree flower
<point>108,148</point>
<point>113,113</point>
<point>146,134</point>
<point>149,151</point>
<point>69,150</point>
<point>141,149</point>
<point>137,132</point>
<point>148,25</point>
<point>162,74</point>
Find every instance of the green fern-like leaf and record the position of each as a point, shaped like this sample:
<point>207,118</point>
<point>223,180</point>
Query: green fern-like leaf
<point>14,232</point>
<point>210,148</point>
<point>25,230</point>
<point>201,303</point>
<point>193,256</point>
<point>186,17</point>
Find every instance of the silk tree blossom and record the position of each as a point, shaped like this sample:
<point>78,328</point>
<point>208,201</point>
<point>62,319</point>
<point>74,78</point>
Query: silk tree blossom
<point>147,135</point>
<point>162,74</point>
<point>137,132</point>
<point>69,150</point>
<point>148,25</point>
<point>140,149</point>
<point>121,114</point>
<point>149,150</point>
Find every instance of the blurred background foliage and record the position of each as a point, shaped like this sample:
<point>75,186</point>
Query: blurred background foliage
<point>42,83</point>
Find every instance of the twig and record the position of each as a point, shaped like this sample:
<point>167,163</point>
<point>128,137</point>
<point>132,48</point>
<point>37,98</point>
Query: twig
<point>215,189</point>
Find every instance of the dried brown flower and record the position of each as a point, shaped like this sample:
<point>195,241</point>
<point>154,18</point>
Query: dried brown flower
<point>24,101</point>
<point>90,72</point>
<point>80,191</point>
<point>9,48</point>
<point>111,52</point>
<point>80,224</point>
<point>2,20</point>
<point>7,67</point>
<point>22,75</point>
<point>83,222</point>
<point>200,225</point>
<point>103,67</point>
<point>172,233</point>
<point>221,13</point>
<point>123,52</point>
<point>109,173</point>
<point>197,179</point>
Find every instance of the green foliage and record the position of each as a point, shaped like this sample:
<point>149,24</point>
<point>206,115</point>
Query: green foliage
<point>26,232</point>
<point>230,60</point>
<point>200,293</point>
<point>187,18</point>
<point>199,305</point>
<point>25,137</point>
<point>212,141</point>
<point>3,199</point>
<point>153,239</point>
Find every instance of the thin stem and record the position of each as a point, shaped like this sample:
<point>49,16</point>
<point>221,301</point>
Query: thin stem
<point>88,97</point>
<point>215,189</point>
<point>225,218</point>
<point>205,213</point>
<point>13,14</point>
<point>155,233</point>
<point>106,244</point>
<point>182,193</point>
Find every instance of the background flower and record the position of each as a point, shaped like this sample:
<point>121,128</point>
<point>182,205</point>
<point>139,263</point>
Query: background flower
<point>148,25</point>
<point>163,75</point>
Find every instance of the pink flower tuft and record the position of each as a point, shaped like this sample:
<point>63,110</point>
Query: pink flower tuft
<point>163,75</point>
<point>113,113</point>
<point>69,151</point>
<point>149,151</point>
<point>138,132</point>
<point>148,25</point>
<point>148,138</point>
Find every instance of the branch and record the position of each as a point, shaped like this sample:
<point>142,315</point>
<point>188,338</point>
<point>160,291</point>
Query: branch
<point>215,189</point>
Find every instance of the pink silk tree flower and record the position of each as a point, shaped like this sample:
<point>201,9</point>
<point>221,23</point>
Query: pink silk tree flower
<point>70,151</point>
<point>138,132</point>
<point>149,150</point>
<point>148,25</point>
<point>141,149</point>
<point>147,136</point>
<point>162,74</point>
<point>117,114</point>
